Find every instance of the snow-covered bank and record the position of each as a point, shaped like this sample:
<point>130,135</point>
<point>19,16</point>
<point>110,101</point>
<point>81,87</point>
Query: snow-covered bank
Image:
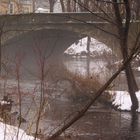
<point>8,132</point>
<point>96,48</point>
<point>138,68</point>
<point>121,99</point>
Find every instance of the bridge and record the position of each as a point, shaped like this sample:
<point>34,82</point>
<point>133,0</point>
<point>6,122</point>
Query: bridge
<point>37,21</point>
<point>55,32</point>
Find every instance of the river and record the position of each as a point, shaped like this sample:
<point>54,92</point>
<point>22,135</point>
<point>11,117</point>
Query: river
<point>99,123</point>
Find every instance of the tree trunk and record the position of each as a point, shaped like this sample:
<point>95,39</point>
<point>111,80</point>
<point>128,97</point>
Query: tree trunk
<point>137,9</point>
<point>68,6</point>
<point>74,7</point>
<point>88,56</point>
<point>123,31</point>
<point>80,7</point>
<point>62,5</point>
<point>86,4</point>
<point>51,2</point>
<point>33,3</point>
<point>132,87</point>
<point>0,52</point>
<point>131,82</point>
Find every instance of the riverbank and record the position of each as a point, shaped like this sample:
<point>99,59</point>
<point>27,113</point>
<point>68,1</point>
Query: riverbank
<point>122,101</point>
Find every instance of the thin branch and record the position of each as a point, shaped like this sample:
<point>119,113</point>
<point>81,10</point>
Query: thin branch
<point>128,17</point>
<point>105,13</point>
<point>95,26</point>
<point>107,1</point>
<point>117,15</point>
<point>94,13</point>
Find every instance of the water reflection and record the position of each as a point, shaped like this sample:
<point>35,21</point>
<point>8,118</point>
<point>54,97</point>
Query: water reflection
<point>133,132</point>
<point>130,126</point>
<point>84,67</point>
<point>99,123</point>
<point>119,126</point>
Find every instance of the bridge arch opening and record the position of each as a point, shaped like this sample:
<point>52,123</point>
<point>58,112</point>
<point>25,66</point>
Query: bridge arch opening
<point>50,42</point>
<point>88,46</point>
<point>89,57</point>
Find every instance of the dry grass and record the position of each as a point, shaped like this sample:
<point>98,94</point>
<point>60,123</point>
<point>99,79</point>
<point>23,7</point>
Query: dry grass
<point>80,83</point>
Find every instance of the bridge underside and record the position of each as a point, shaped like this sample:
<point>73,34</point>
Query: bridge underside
<point>30,48</point>
<point>52,42</point>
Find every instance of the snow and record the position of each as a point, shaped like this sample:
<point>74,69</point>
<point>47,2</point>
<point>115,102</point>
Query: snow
<point>57,7</point>
<point>42,10</point>
<point>4,103</point>
<point>122,100</point>
<point>8,132</point>
<point>96,47</point>
<point>97,67</point>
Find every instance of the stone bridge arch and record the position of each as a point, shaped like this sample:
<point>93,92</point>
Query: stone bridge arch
<point>54,34</point>
<point>82,24</point>
<point>28,46</point>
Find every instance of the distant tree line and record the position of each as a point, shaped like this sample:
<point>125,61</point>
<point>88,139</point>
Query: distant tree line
<point>95,6</point>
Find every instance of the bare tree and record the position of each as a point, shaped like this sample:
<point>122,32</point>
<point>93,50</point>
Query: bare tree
<point>52,2</point>
<point>122,14</point>
<point>137,8</point>
<point>62,5</point>
<point>1,32</point>
<point>123,32</point>
<point>68,6</point>
<point>34,3</point>
<point>121,19</point>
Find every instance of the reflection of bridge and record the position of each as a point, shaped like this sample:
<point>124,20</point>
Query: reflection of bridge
<point>55,30</point>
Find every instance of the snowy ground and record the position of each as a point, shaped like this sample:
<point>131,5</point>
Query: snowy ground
<point>8,132</point>
<point>138,68</point>
<point>122,100</point>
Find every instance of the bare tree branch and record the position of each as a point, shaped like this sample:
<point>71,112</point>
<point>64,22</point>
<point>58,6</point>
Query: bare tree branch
<point>80,4</point>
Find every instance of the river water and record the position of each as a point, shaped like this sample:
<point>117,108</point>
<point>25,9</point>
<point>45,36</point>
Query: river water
<point>100,122</point>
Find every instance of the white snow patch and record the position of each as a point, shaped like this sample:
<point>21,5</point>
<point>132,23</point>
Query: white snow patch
<point>96,47</point>
<point>122,99</point>
<point>4,103</point>
<point>42,10</point>
<point>8,132</point>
